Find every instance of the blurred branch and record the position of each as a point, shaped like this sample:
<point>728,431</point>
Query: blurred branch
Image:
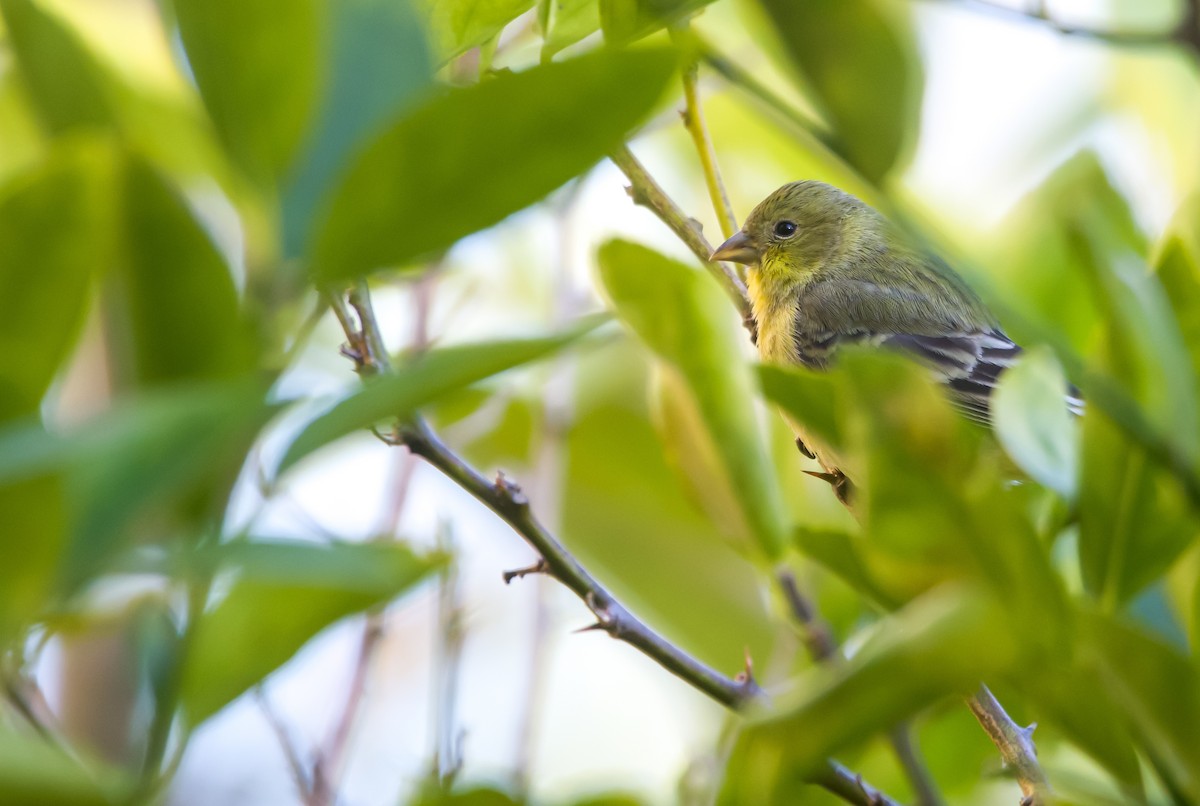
<point>447,752</point>
<point>300,779</point>
<point>1015,744</point>
<point>1185,32</point>
<point>822,647</point>
<point>646,192</point>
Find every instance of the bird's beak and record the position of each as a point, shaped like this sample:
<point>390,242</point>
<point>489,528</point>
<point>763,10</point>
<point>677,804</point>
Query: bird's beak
<point>738,248</point>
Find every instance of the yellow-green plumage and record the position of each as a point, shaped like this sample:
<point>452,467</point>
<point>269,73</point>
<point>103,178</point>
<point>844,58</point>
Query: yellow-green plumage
<point>827,270</point>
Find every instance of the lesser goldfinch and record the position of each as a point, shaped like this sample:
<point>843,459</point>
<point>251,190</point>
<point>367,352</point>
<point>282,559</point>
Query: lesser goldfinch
<point>827,270</point>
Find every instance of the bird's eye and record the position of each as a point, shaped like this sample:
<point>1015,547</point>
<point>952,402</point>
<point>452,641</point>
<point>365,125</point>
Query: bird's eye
<point>785,229</point>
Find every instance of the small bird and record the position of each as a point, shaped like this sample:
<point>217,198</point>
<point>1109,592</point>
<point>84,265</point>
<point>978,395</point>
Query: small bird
<point>826,270</point>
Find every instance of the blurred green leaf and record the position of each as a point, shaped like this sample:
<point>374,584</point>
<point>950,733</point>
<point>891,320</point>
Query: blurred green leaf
<point>626,20</point>
<point>378,61</point>
<point>1032,422</point>
<point>625,516</point>
<point>35,773</point>
<point>805,396</point>
<point>145,453</point>
<point>1158,689</point>
<point>283,594</point>
<point>153,453</point>
<point>838,552</point>
<point>1178,270</point>
<point>422,381</point>
<point>1134,517</point>
<point>258,64</point>
<point>430,179</point>
<point>456,26</point>
<point>683,317</point>
<point>63,78</point>
<point>859,57</point>
<point>181,307</point>
<point>1076,700</point>
<point>54,228</point>
<point>565,22</point>
<point>35,514</point>
<point>938,646</point>
<point>1144,349</point>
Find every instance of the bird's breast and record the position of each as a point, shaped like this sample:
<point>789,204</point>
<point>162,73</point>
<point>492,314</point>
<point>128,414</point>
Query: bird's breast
<point>775,312</point>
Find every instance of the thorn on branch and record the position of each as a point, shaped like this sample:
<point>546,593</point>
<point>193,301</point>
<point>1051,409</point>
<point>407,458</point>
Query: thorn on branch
<point>539,567</point>
<point>746,676</point>
<point>842,486</point>
<point>1027,731</point>
<point>510,490</point>
<point>804,449</point>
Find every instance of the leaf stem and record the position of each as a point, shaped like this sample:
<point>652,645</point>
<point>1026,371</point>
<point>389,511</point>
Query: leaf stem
<point>693,121</point>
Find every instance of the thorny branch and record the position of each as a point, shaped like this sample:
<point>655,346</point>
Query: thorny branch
<point>508,501</point>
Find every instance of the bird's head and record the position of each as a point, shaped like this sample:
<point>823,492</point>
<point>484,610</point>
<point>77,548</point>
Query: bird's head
<point>794,228</point>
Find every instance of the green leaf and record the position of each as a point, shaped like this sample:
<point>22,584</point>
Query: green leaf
<point>283,594</point>
<point>456,26</point>
<point>35,773</point>
<point>940,645</point>
<point>469,157</point>
<point>1134,517</point>
<point>859,57</point>
<point>839,553</point>
<point>565,22</point>
<point>63,78</point>
<point>420,382</point>
<point>182,309</point>
<point>54,228</point>
<point>626,20</point>
<point>35,513</point>
<point>1032,422</point>
<point>378,62</point>
<point>683,317</point>
<point>627,519</point>
<point>258,65</point>
<point>1158,689</point>
<point>156,453</point>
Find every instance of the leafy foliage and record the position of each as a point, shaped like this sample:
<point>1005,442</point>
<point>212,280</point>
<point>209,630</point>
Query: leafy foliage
<point>164,238</point>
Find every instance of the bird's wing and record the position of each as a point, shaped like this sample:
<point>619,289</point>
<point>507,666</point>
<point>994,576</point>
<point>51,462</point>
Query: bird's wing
<point>967,354</point>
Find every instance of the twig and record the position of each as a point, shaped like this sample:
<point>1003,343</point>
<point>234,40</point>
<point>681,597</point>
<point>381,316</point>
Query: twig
<point>447,756</point>
<point>1185,32</point>
<point>1015,744</point>
<point>370,355</point>
<point>693,121</point>
<point>822,647</point>
<point>283,738</point>
<point>506,499</point>
<point>646,192</point>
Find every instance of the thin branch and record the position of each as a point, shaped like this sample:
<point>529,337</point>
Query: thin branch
<point>1015,744</point>
<point>283,738</point>
<point>508,501</point>
<point>370,355</point>
<point>693,121</point>
<point>822,647</point>
<point>646,192</point>
<point>447,750</point>
<point>1185,32</point>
